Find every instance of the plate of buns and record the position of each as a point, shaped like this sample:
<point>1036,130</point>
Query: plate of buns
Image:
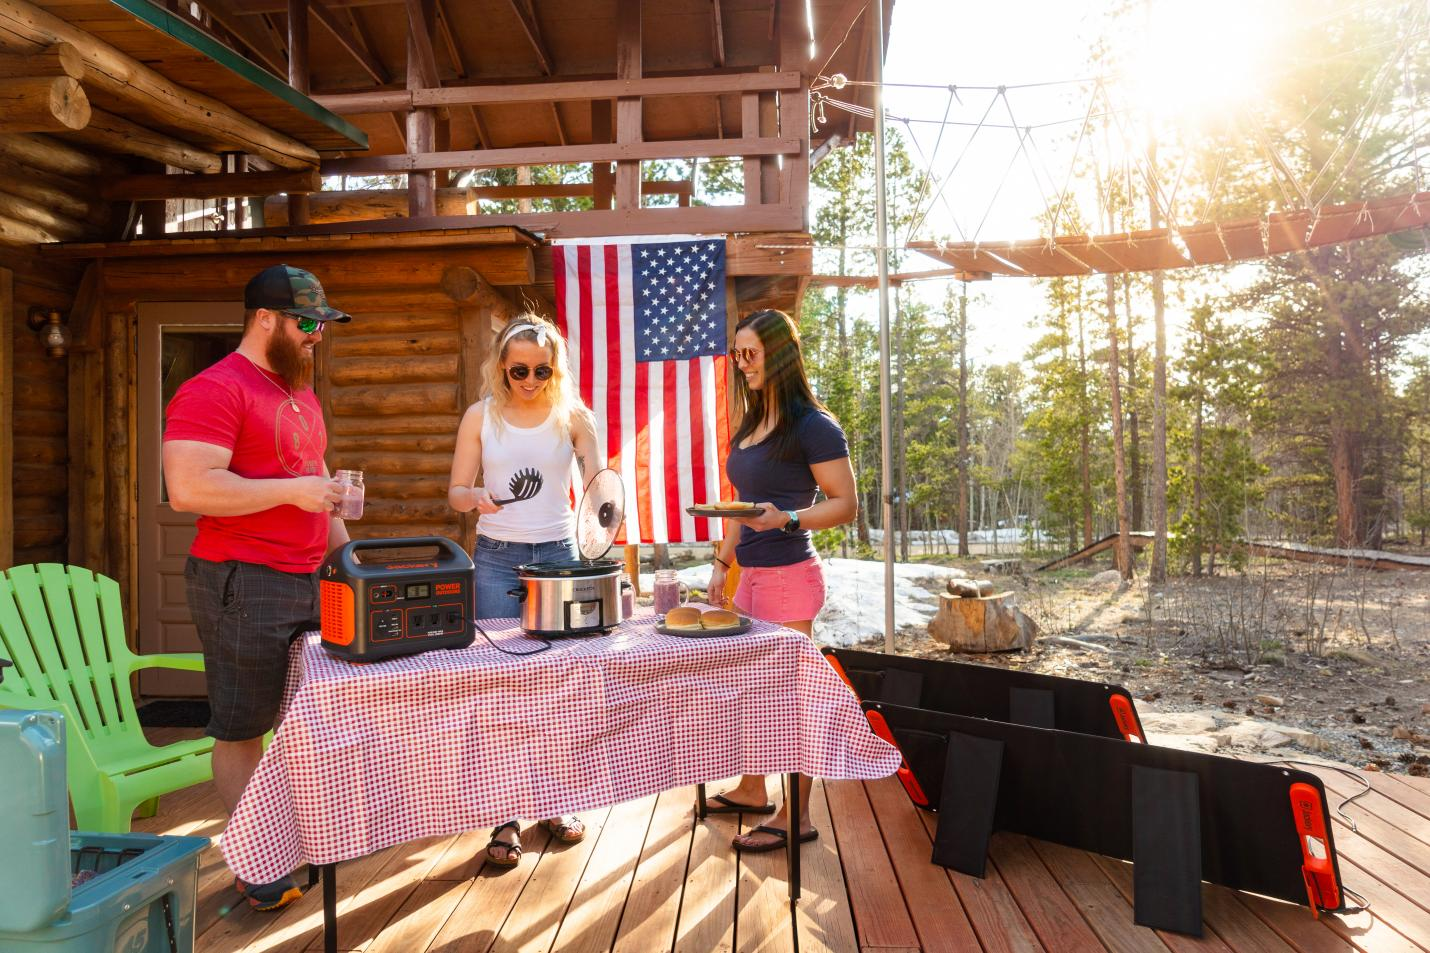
<point>724,509</point>
<point>694,622</point>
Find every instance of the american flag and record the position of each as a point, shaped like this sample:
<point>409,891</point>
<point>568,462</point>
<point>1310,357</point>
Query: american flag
<point>645,325</point>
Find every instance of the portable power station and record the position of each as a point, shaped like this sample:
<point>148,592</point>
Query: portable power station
<point>386,597</point>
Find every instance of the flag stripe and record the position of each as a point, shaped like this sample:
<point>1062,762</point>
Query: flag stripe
<point>657,481</point>
<point>699,491</point>
<point>677,375</point>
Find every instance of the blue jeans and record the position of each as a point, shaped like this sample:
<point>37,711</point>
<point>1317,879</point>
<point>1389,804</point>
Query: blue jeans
<point>496,562</point>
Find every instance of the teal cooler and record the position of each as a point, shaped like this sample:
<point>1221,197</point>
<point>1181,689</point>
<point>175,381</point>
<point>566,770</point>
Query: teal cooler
<point>132,893</point>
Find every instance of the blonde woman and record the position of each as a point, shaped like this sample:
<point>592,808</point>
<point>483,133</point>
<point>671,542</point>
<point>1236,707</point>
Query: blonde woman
<point>522,437</point>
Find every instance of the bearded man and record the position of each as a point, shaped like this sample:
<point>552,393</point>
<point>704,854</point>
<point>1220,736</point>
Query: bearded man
<point>243,448</point>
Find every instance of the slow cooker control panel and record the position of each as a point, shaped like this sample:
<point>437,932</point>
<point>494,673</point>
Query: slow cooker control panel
<point>417,610</point>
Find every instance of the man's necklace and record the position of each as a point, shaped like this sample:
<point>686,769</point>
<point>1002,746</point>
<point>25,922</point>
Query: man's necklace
<point>292,401</point>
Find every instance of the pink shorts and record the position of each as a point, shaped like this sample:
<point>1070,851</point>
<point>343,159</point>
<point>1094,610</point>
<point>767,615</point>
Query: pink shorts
<point>793,593</point>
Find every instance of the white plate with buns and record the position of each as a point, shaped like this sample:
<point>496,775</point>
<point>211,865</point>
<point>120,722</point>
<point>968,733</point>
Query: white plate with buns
<point>724,509</point>
<point>692,622</point>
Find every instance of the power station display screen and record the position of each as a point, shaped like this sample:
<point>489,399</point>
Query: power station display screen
<point>418,591</point>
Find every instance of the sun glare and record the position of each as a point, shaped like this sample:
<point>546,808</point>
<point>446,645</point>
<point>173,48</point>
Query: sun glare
<point>1202,60</point>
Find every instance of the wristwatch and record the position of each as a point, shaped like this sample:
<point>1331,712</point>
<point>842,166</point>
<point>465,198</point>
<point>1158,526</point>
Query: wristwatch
<point>792,526</point>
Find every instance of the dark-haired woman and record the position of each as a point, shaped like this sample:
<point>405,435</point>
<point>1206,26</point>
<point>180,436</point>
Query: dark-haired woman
<point>787,450</point>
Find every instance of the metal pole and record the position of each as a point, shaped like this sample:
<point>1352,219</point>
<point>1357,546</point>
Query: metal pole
<point>881,256</point>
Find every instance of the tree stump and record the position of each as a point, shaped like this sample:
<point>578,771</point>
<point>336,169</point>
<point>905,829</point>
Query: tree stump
<point>989,623</point>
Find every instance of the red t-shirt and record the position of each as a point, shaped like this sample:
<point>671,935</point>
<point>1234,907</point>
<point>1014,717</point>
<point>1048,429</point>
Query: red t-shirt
<point>239,407</point>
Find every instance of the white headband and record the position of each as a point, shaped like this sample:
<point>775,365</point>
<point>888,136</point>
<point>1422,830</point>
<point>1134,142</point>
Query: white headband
<point>518,328</point>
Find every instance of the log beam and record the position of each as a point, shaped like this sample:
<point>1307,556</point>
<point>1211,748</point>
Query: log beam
<point>7,417</point>
<point>23,210</point>
<point>65,196</point>
<point>116,134</point>
<point>46,152</point>
<point>138,188</point>
<point>26,27</point>
<point>13,232</point>
<point>563,155</point>
<point>42,104</point>
<point>380,101</point>
<point>61,59</point>
<point>298,78</point>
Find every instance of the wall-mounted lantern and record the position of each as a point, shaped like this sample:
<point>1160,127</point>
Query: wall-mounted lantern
<point>51,327</point>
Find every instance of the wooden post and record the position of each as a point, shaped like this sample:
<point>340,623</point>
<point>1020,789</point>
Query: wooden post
<point>749,129</point>
<point>298,78</point>
<point>421,123</point>
<point>7,418</point>
<point>603,177</point>
<point>632,556</point>
<point>42,104</point>
<point>116,427</point>
<point>628,108</point>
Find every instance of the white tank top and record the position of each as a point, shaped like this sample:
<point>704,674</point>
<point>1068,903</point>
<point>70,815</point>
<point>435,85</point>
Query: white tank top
<point>541,453</point>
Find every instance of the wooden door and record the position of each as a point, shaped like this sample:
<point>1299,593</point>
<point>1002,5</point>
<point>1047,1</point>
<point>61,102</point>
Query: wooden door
<point>176,341</point>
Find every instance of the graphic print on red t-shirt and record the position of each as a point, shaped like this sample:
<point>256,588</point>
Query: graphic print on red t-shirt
<point>273,435</point>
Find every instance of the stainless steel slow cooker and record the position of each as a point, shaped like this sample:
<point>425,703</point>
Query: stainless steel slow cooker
<point>579,596</point>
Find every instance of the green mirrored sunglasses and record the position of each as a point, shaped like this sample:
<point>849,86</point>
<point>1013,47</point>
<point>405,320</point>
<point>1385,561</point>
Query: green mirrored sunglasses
<point>305,324</point>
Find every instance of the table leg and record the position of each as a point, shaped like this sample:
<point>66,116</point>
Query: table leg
<point>330,908</point>
<point>700,801</point>
<point>792,803</point>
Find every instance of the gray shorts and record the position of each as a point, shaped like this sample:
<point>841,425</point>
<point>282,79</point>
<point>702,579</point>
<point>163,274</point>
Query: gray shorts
<point>247,615</point>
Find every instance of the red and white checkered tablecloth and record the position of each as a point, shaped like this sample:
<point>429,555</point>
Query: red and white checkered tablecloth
<point>371,755</point>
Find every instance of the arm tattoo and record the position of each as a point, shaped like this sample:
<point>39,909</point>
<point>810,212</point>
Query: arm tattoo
<point>581,462</point>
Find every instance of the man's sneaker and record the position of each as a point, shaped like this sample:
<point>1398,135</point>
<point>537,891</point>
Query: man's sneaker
<point>266,898</point>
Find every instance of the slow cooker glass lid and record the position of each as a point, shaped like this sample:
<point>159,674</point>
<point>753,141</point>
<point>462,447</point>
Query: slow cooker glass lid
<point>600,513</point>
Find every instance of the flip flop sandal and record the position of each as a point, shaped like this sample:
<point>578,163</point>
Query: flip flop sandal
<point>780,844</point>
<point>735,807</point>
<point>566,833</point>
<point>510,853</point>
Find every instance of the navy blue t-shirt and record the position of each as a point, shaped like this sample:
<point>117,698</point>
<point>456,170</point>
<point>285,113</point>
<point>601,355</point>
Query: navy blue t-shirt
<point>788,484</point>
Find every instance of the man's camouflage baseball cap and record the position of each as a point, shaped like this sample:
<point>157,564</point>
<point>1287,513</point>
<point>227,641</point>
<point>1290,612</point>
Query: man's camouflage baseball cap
<point>292,291</point>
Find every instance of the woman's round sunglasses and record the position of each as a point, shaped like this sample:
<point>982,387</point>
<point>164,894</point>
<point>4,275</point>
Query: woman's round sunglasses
<point>519,372</point>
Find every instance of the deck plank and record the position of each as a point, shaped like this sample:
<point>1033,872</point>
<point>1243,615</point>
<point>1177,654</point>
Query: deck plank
<point>422,915</point>
<point>764,922</point>
<point>547,894</point>
<point>477,920</point>
<point>991,908</point>
<point>1052,913</point>
<point>591,923</point>
<point>1400,789</point>
<point>707,908</point>
<point>653,904</point>
<point>381,897</point>
<point>881,918</point>
<point>822,916</point>
<point>1387,902</point>
<point>1101,905</point>
<point>933,904</point>
<point>1383,822</point>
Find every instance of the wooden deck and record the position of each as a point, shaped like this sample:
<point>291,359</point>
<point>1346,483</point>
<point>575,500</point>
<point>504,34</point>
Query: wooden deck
<point>648,878</point>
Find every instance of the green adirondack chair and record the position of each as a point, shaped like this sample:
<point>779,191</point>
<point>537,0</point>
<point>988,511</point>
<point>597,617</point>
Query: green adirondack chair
<point>63,627</point>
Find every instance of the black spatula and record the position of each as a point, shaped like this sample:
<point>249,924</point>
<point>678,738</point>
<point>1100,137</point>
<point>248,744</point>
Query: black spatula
<point>523,486</point>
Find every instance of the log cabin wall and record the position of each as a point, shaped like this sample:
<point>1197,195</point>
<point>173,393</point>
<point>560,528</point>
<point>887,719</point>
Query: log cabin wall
<point>34,471</point>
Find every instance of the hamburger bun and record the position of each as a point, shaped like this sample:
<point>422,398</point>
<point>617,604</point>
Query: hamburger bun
<point>719,619</point>
<point>683,617</point>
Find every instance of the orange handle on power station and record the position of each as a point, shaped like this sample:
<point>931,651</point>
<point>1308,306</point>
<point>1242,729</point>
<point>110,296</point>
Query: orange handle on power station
<point>905,774</point>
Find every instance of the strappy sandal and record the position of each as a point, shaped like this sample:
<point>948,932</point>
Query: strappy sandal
<point>510,854</point>
<point>566,833</point>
